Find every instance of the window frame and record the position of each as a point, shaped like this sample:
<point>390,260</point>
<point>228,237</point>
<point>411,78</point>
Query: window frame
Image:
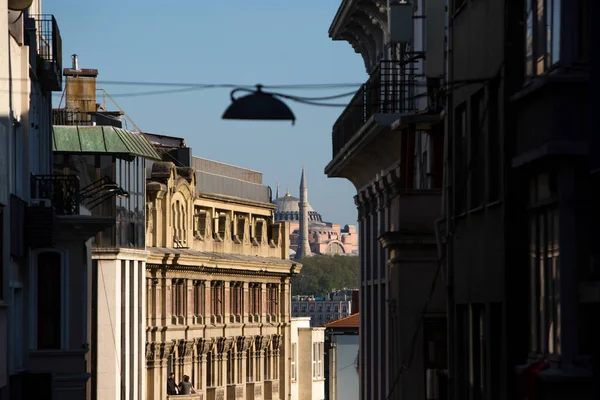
<point>540,32</point>
<point>294,362</point>
<point>33,298</point>
<point>544,261</point>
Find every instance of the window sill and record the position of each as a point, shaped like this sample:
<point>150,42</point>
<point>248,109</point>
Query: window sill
<point>558,375</point>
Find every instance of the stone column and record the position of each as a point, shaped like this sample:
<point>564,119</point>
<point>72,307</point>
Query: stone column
<point>204,346</point>
<point>157,355</point>
<point>185,350</point>
<point>263,302</point>
<point>245,302</point>
<point>243,344</point>
<point>167,300</point>
<point>189,302</point>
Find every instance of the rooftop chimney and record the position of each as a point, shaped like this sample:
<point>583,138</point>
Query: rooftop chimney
<point>80,93</point>
<point>355,302</point>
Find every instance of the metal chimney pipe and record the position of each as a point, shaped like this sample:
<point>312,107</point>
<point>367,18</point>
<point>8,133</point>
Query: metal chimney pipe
<point>74,61</point>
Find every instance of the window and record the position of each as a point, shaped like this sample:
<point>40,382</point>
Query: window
<point>231,363</point>
<point>49,290</point>
<point>236,291</point>
<point>199,300</point>
<point>460,159</point>
<point>294,367</point>
<point>542,35</point>
<point>477,148</point>
<point>544,267</point>
<point>494,147</point>
<point>272,300</point>
<point>584,30</point>
<point>217,292</point>
<point>16,327</point>
<point>178,301</point>
<point>250,366</point>
<point>200,217</point>
<point>317,358</point>
<point>255,298</point>
<point>471,351</point>
<point>210,369</point>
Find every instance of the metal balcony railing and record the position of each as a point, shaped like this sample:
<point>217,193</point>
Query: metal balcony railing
<point>62,191</point>
<point>62,116</point>
<point>389,90</point>
<point>49,48</point>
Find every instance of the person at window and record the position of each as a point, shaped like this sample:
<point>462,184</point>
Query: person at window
<point>171,385</point>
<point>186,386</point>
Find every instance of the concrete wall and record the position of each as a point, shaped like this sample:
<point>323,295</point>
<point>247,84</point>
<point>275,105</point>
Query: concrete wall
<point>344,384</point>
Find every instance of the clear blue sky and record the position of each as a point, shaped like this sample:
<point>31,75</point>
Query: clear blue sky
<point>240,42</point>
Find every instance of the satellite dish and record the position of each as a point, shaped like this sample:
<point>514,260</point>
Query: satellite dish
<point>19,5</point>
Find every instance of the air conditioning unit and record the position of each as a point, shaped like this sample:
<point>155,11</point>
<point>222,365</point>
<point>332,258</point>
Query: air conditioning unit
<point>41,203</point>
<point>400,21</point>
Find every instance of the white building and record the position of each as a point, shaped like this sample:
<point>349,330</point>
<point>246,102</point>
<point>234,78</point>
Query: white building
<point>307,361</point>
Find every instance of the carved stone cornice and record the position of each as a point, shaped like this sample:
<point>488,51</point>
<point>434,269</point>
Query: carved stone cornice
<point>261,342</point>
<point>204,346</point>
<point>224,345</point>
<point>276,342</point>
<point>244,343</point>
<point>185,348</point>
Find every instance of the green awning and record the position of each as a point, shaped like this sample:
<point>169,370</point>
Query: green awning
<point>101,139</point>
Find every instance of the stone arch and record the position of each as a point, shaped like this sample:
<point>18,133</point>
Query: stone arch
<point>335,247</point>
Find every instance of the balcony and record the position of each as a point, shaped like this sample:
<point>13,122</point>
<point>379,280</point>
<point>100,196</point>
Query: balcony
<point>60,192</point>
<point>390,90</point>
<point>55,211</point>
<point>49,49</point>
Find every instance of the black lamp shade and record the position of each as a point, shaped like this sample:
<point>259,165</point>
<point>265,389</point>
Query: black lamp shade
<point>259,106</point>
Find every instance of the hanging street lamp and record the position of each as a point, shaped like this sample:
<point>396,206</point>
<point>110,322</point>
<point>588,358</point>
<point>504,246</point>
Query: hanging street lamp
<point>258,105</point>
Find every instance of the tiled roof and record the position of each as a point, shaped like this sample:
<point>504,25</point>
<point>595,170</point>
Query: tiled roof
<point>351,321</point>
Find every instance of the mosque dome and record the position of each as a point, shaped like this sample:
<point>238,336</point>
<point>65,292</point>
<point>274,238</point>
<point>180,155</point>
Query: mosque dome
<point>289,210</point>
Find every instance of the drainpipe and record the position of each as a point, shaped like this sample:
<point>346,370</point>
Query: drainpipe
<point>447,209</point>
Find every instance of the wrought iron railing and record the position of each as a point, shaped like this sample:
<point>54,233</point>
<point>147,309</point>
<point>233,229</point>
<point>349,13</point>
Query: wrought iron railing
<point>390,89</point>
<point>49,46</point>
<point>61,190</point>
<point>62,116</point>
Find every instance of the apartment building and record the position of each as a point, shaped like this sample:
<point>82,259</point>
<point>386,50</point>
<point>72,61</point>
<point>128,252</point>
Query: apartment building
<point>322,310</point>
<point>307,360</point>
<point>521,262</point>
<point>108,163</point>
<point>46,229</point>
<point>217,280</point>
<point>389,143</point>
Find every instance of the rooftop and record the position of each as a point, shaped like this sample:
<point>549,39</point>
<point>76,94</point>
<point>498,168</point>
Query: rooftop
<point>351,321</point>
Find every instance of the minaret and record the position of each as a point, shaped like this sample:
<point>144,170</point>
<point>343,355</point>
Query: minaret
<point>303,249</point>
<point>277,194</point>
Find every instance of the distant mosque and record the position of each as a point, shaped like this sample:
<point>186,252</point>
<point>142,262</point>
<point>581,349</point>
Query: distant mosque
<point>309,234</point>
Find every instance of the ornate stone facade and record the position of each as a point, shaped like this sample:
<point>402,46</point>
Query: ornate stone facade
<point>218,291</point>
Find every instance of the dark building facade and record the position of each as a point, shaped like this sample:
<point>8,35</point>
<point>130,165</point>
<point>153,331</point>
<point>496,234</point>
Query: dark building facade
<point>389,143</point>
<point>520,265</point>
